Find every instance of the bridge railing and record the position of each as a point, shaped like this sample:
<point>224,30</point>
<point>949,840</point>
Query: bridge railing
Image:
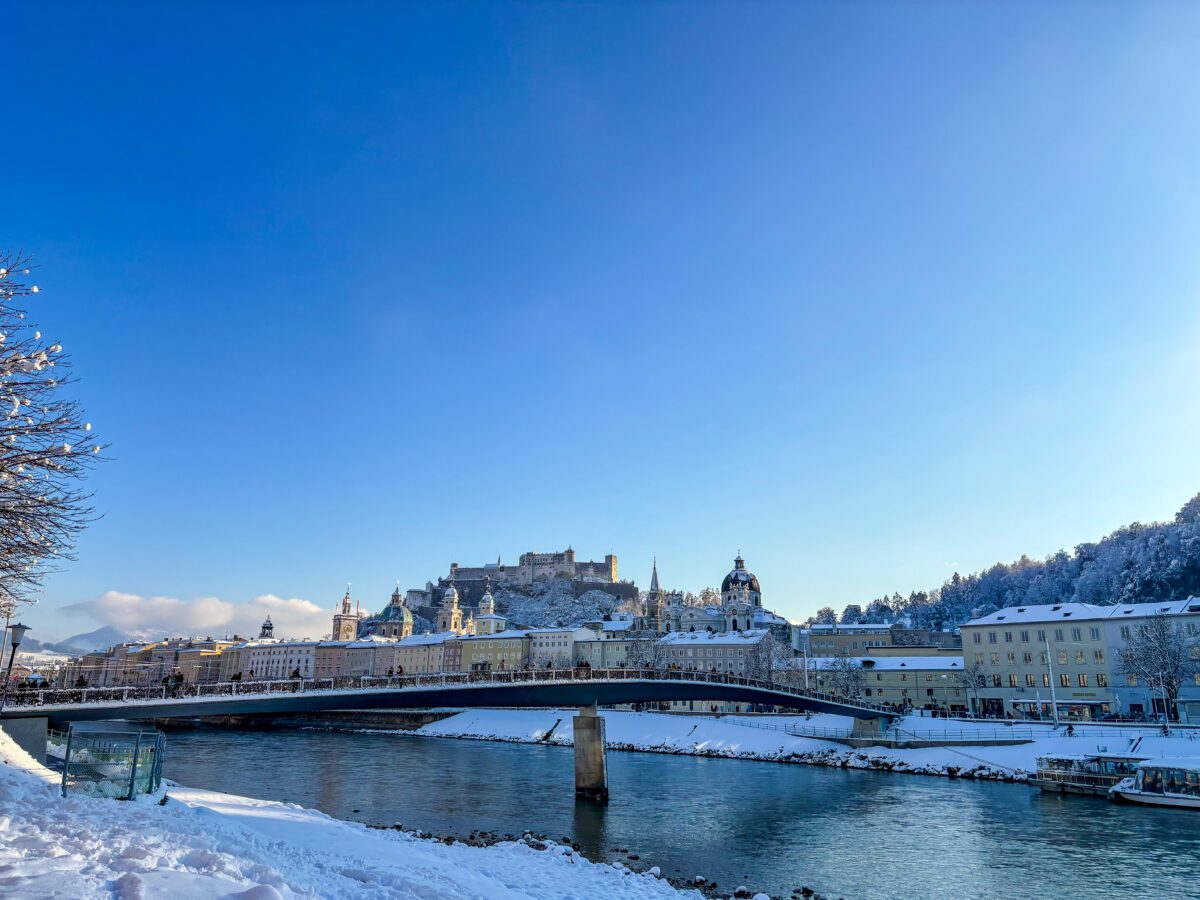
<point>181,691</point>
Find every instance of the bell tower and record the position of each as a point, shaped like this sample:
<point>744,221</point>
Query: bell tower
<point>345,623</point>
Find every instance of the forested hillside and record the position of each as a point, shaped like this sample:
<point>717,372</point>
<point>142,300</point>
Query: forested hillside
<point>1135,564</point>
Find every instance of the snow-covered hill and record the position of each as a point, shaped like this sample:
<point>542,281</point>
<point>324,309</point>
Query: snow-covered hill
<point>553,603</point>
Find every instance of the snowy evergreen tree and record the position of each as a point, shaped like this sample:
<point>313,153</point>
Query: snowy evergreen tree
<point>825,616</point>
<point>852,614</point>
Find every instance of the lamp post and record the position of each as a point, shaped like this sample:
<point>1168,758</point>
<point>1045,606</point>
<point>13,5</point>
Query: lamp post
<point>16,634</point>
<point>1053,697</point>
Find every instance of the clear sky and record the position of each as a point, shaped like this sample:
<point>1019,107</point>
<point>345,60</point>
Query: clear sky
<point>869,291</point>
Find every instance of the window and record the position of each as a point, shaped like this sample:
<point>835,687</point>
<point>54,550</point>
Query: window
<point>1095,634</point>
<point>1083,680</point>
<point>1058,634</point>
<point>995,659</point>
<point>1027,658</point>
<point>1132,681</point>
<point>1024,637</point>
<point>995,681</point>
<point>1102,680</point>
<point>1008,637</point>
<point>1028,681</point>
<point>1012,659</point>
<point>991,637</point>
<point>1080,656</point>
<point>1062,657</point>
<point>1045,681</point>
<point>1041,636</point>
<point>1099,656</point>
<point>979,659</point>
<point>1077,634</point>
<point>977,637</point>
<point>1012,680</point>
<point>1043,656</point>
<point>1064,680</point>
<point>1125,632</point>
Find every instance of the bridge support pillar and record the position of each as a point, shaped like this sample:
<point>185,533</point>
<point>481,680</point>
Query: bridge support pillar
<point>591,768</point>
<point>29,735</point>
<point>867,728</point>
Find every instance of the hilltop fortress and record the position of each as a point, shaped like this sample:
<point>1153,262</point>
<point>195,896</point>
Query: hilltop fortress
<point>531,567</point>
<point>534,566</point>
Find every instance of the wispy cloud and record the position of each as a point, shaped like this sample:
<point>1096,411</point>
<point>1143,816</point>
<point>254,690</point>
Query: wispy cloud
<point>292,617</point>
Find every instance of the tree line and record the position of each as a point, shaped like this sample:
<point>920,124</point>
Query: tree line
<point>1137,563</point>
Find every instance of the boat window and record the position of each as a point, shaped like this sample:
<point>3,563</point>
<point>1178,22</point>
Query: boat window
<point>1192,786</point>
<point>1153,781</point>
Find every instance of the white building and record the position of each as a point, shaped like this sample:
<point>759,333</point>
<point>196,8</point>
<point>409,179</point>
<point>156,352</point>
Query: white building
<point>555,646</point>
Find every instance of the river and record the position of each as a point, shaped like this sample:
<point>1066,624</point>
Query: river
<point>769,826</point>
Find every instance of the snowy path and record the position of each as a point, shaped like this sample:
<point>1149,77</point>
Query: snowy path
<point>734,737</point>
<point>202,844</point>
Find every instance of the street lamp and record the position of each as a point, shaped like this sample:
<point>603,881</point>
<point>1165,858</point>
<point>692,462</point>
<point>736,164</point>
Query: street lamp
<point>16,634</point>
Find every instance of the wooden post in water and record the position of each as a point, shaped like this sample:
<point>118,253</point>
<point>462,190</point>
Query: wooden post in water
<point>591,769</point>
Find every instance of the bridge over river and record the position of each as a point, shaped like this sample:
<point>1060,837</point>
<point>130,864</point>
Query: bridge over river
<point>27,714</point>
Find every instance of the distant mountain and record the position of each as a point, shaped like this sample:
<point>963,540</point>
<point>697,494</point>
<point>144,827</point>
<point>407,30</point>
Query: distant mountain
<point>100,639</point>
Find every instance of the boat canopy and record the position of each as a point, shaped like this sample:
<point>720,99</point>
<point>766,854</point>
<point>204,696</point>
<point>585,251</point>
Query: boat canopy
<point>1186,763</point>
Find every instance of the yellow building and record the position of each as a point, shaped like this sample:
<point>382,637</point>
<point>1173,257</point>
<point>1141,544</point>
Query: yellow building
<point>503,651</point>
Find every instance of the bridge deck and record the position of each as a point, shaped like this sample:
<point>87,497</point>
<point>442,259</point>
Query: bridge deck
<point>527,688</point>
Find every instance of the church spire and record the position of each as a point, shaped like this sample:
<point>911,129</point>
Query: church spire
<point>654,577</point>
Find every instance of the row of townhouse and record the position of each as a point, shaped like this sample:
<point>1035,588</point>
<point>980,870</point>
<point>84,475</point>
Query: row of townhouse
<point>191,660</point>
<point>1031,658</point>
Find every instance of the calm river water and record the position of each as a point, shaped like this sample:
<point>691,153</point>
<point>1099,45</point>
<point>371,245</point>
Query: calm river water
<point>769,826</point>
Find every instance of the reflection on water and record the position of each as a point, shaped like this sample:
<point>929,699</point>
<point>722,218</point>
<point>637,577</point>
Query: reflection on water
<point>772,827</point>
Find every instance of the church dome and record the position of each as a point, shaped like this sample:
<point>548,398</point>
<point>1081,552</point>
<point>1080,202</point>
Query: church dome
<point>450,598</point>
<point>740,576</point>
<point>395,613</point>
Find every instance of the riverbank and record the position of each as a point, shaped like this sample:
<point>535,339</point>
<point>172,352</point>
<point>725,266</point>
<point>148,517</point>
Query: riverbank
<point>190,843</point>
<point>744,737</point>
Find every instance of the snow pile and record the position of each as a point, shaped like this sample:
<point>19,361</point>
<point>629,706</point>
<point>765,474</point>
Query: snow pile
<point>734,737</point>
<point>553,604</point>
<point>190,843</point>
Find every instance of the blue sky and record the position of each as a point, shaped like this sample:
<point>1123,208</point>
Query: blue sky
<point>871,292</point>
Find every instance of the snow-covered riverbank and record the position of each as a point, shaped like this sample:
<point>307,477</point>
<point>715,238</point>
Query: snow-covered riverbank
<point>735,737</point>
<point>191,843</point>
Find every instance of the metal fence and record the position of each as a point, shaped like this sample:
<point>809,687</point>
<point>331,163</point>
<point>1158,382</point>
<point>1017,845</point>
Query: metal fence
<point>121,695</point>
<point>110,759</point>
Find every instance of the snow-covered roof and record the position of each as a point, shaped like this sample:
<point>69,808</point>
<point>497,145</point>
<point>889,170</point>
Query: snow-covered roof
<point>1056,612</point>
<point>895,663</point>
<point>509,633</point>
<point>421,640</point>
<point>708,637</point>
<point>370,642</point>
<point>1060,612</point>
<point>862,626</point>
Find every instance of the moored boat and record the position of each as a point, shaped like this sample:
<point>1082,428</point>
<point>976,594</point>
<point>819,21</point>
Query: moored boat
<point>1092,773</point>
<point>1162,782</point>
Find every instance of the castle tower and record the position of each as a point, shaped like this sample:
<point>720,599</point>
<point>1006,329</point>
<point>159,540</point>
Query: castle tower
<point>450,616</point>
<point>345,623</point>
<point>267,632</point>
